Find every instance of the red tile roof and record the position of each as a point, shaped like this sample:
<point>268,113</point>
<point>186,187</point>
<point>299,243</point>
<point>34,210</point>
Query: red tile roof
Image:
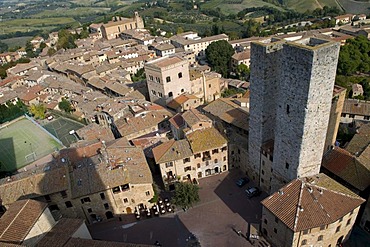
<point>346,166</point>
<point>311,202</point>
<point>19,219</point>
<point>177,121</point>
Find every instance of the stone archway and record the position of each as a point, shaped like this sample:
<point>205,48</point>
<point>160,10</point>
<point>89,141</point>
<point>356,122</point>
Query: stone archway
<point>128,210</point>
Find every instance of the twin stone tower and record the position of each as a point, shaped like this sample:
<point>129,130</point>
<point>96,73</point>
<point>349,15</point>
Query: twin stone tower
<point>290,100</point>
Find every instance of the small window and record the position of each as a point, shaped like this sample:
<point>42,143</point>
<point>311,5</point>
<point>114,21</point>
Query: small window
<point>263,162</point>
<point>262,180</point>
<point>182,90</point>
<point>102,196</point>
<point>305,232</point>
<point>276,220</point>
<point>320,238</point>
<point>168,79</point>
<point>147,193</point>
<point>198,165</point>
<point>186,160</point>
<point>89,210</point>
<point>63,194</point>
<point>338,229</point>
<point>216,160</point>
<point>188,168</point>
<point>304,242</point>
<point>224,158</point>
<point>263,172</point>
<point>209,85</point>
<point>86,199</point>
<point>215,151</point>
<point>106,205</point>
<point>116,190</point>
<point>323,227</point>
<point>286,165</point>
<point>348,222</point>
<point>125,200</point>
<point>351,212</point>
<point>47,198</point>
<point>265,221</point>
<point>68,204</point>
<point>125,187</point>
<point>169,164</point>
<point>198,155</point>
<point>271,158</point>
<point>341,219</point>
<point>53,207</point>
<point>287,109</point>
<point>170,94</point>
<point>275,230</point>
<point>223,149</point>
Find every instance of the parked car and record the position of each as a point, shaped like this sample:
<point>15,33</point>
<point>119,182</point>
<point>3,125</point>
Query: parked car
<point>252,192</point>
<point>242,181</point>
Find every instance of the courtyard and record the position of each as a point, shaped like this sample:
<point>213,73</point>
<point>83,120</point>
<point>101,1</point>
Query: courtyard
<point>224,210</point>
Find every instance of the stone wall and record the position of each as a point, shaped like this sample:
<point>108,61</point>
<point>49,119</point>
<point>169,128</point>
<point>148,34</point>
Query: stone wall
<point>304,102</point>
<point>291,92</point>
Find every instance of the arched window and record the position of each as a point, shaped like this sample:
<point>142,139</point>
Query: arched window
<point>170,94</point>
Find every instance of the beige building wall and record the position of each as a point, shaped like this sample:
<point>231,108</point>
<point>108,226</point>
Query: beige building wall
<point>334,118</point>
<point>82,232</point>
<point>167,82</point>
<point>280,235</point>
<point>113,29</point>
<point>44,223</point>
<point>99,204</point>
<point>199,165</point>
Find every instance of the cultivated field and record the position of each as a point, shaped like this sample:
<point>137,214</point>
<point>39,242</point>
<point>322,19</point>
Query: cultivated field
<point>232,7</point>
<point>75,12</point>
<point>356,7</point>
<point>26,25</point>
<point>23,142</point>
<point>18,41</point>
<point>61,127</point>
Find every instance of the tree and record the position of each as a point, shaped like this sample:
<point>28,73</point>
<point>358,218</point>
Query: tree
<point>38,111</point>
<point>51,51</point>
<point>186,194</point>
<point>179,30</point>
<point>3,47</point>
<point>219,56</point>
<point>65,105</point>
<point>243,71</point>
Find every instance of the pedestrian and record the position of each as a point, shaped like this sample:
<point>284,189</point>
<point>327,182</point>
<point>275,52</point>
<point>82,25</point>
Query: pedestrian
<point>239,233</point>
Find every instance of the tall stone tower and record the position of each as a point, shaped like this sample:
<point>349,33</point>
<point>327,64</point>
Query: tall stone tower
<point>291,92</point>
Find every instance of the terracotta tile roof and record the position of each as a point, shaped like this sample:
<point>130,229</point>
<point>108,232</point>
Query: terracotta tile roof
<point>230,112</point>
<point>346,166</point>
<point>116,166</point>
<point>193,116</point>
<point>239,56</point>
<point>206,139</point>
<point>356,107</point>
<point>177,121</point>
<point>180,100</point>
<point>19,219</point>
<point>311,202</point>
<point>94,131</point>
<point>172,150</point>
<point>43,180</point>
<point>166,61</point>
<point>59,235</point>
<point>360,141</point>
<point>79,242</point>
<point>10,79</point>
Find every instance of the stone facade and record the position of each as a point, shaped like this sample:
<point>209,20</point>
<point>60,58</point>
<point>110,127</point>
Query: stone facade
<point>326,235</point>
<point>167,78</point>
<point>291,92</point>
<point>112,29</point>
<point>337,103</point>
